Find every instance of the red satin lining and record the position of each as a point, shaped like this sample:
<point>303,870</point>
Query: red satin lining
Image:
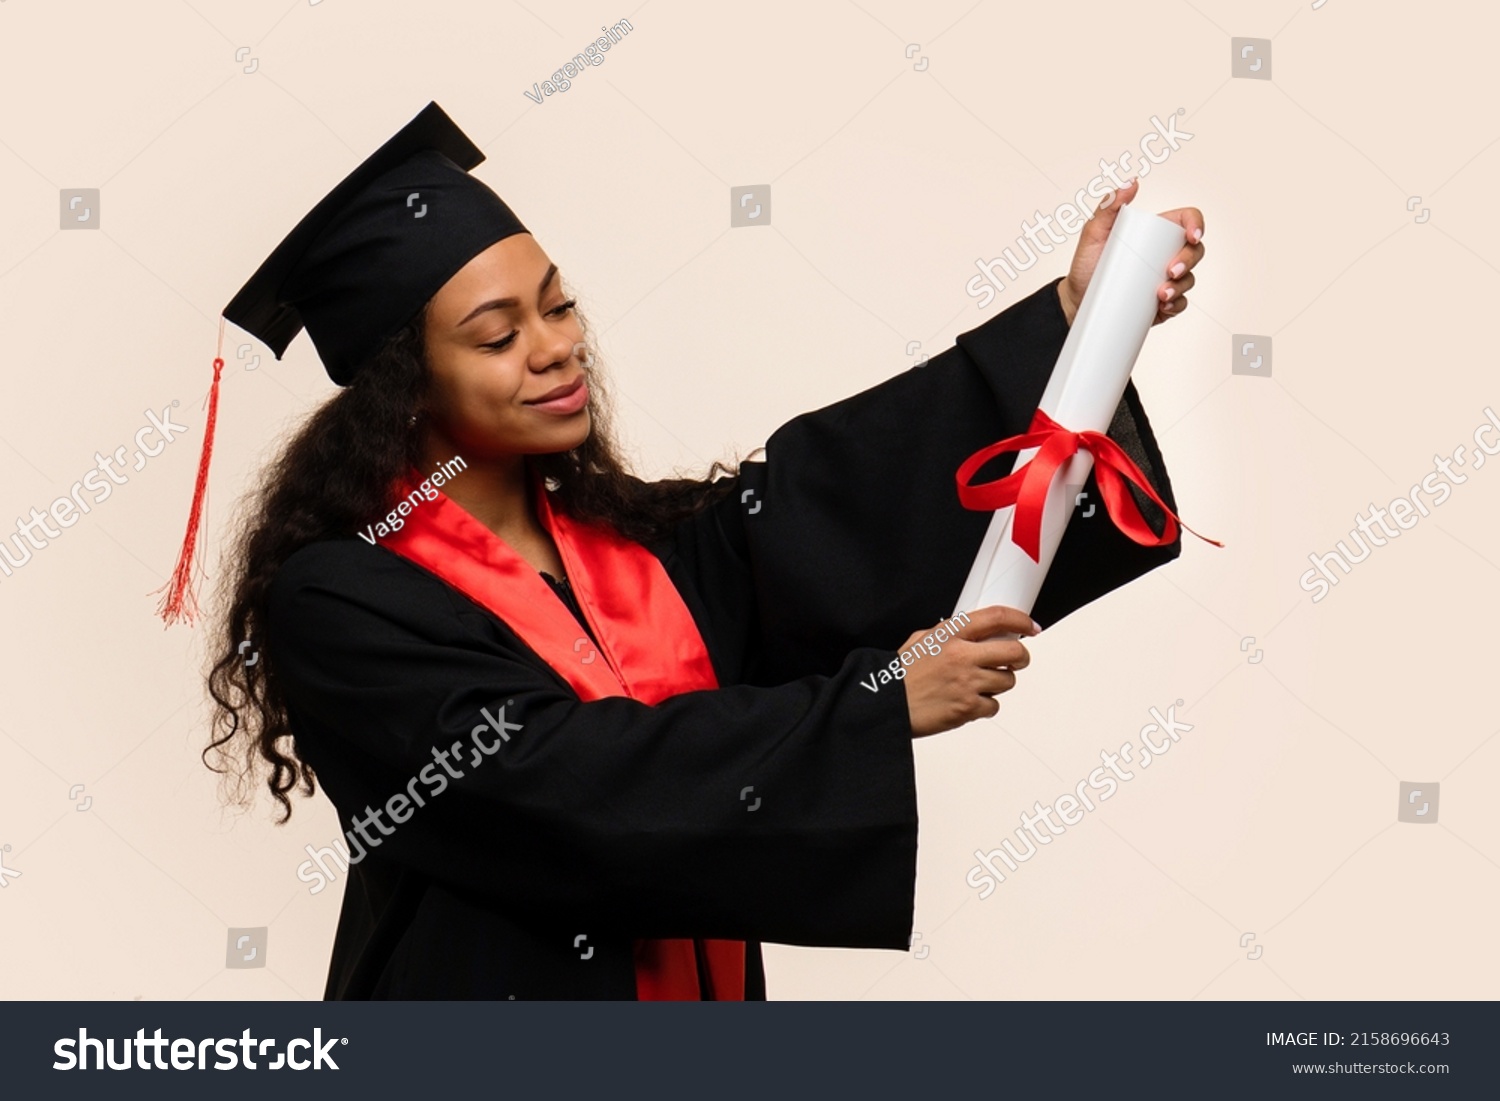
<point>648,649</point>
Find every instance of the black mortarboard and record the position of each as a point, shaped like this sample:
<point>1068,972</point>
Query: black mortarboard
<point>356,269</point>
<point>376,247</point>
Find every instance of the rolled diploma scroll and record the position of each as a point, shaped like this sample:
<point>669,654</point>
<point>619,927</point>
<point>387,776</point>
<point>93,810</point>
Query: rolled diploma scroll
<point>1086,386</point>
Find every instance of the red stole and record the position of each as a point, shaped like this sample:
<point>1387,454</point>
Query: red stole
<point>649,648</point>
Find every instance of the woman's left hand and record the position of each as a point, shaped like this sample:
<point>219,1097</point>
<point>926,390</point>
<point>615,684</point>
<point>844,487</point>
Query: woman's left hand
<point>1171,295</point>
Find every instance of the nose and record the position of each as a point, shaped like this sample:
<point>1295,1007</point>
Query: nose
<point>552,350</point>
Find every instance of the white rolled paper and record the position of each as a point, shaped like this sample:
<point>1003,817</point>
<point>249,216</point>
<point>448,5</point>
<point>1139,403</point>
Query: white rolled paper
<point>1082,394</point>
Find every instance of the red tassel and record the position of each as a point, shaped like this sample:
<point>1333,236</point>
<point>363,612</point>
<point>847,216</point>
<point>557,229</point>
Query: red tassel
<point>181,601</point>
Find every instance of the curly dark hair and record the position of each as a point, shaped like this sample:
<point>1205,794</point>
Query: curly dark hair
<point>336,472</point>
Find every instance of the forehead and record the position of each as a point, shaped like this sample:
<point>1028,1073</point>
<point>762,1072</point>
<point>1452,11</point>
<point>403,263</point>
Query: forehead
<point>510,268</point>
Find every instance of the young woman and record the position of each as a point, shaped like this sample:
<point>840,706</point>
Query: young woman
<point>589,736</point>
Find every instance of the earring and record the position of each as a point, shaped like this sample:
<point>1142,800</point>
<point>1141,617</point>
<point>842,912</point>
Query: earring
<point>411,420</point>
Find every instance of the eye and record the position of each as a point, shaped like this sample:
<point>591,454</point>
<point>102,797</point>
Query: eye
<point>557,311</point>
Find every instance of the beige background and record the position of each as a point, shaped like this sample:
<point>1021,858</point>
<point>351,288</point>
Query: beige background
<point>1275,816</point>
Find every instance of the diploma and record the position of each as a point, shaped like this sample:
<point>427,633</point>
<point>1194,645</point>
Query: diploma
<point>1081,397</point>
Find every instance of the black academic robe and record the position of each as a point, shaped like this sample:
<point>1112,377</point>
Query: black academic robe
<point>610,819</point>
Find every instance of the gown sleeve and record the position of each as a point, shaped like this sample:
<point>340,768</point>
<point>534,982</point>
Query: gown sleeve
<point>850,533</point>
<point>782,814</point>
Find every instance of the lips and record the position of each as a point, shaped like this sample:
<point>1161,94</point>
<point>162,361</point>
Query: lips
<point>566,399</point>
<point>556,392</point>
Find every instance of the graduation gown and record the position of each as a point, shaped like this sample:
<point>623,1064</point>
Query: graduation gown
<point>610,819</point>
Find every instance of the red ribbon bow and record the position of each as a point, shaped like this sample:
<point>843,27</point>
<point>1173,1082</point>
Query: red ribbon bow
<point>1027,487</point>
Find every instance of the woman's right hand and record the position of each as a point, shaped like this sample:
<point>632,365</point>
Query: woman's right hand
<point>959,684</point>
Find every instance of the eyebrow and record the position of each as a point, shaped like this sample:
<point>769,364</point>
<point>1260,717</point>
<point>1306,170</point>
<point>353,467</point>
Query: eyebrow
<point>507,303</point>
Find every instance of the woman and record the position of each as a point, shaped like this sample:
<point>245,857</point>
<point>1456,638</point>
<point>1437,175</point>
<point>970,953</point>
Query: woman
<point>590,737</point>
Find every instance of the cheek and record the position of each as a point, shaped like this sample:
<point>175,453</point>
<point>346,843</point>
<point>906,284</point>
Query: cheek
<point>472,398</point>
<point>477,379</point>
<point>483,416</point>
<point>479,412</point>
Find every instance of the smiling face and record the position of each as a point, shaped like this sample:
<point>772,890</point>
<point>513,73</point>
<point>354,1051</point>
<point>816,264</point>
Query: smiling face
<point>500,340</point>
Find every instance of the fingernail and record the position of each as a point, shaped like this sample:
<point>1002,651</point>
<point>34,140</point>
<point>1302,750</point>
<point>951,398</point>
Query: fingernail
<point>1197,234</point>
<point>1170,292</point>
<point>1036,628</point>
<point>1177,270</point>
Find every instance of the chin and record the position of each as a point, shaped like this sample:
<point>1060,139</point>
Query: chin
<point>566,439</point>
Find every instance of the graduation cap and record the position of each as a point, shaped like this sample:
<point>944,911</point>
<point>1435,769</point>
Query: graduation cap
<point>356,269</point>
